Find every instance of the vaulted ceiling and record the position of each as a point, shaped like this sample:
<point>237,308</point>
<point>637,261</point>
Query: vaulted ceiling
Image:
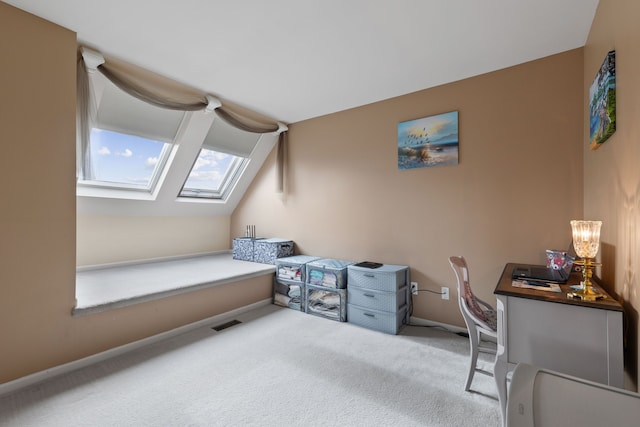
<point>293,60</point>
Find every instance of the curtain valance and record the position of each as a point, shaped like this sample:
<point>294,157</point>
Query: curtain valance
<point>161,92</point>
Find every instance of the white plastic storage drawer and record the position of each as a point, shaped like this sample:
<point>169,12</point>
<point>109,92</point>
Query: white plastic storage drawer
<point>385,278</point>
<point>377,300</point>
<point>389,323</point>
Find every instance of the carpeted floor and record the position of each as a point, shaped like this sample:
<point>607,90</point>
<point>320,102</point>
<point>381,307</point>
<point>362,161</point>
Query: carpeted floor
<point>278,367</point>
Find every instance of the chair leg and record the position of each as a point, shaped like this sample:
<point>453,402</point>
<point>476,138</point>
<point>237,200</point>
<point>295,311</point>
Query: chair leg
<point>473,350</point>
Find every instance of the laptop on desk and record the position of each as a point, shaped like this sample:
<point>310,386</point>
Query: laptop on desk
<point>542,273</point>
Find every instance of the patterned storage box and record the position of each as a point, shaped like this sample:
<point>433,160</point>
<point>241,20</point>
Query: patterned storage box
<point>288,293</point>
<point>266,251</point>
<point>243,248</point>
<point>327,272</point>
<point>325,302</point>
<point>293,267</point>
<point>382,321</point>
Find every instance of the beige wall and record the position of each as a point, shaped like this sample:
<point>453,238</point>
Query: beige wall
<point>612,173</point>
<point>523,132</point>
<point>520,143</point>
<point>106,239</point>
<point>38,218</point>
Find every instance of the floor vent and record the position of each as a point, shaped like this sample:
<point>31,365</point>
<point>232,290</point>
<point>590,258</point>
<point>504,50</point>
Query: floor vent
<point>226,325</point>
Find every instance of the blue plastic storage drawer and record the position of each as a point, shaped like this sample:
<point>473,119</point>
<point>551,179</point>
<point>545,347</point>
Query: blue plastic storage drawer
<point>377,320</point>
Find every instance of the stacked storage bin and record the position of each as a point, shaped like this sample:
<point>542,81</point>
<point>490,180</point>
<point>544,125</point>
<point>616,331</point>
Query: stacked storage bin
<point>325,288</point>
<point>289,282</point>
<point>378,298</point>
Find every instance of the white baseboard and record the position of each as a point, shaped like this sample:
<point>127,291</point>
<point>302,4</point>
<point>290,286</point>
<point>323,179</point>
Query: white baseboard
<point>425,322</point>
<point>451,328</point>
<point>37,377</point>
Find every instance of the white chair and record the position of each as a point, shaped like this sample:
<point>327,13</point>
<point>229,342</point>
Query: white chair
<point>479,316</point>
<point>542,397</point>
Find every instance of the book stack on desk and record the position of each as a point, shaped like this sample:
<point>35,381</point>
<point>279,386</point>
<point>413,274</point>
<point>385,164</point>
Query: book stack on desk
<point>538,285</point>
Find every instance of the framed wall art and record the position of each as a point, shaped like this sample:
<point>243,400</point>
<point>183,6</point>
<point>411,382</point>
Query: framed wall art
<point>602,103</point>
<point>428,142</point>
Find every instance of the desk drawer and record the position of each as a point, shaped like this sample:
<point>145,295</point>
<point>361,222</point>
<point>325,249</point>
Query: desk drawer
<point>377,300</point>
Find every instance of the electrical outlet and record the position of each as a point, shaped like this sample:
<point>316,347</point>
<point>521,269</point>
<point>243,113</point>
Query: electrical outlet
<point>414,288</point>
<point>445,292</point>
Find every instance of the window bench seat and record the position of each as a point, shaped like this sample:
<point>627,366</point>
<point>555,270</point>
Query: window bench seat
<point>100,288</point>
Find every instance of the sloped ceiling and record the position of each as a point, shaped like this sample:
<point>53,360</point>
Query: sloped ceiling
<point>293,60</point>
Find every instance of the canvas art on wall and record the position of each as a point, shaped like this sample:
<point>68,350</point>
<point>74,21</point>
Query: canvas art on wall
<point>428,142</point>
<point>602,98</point>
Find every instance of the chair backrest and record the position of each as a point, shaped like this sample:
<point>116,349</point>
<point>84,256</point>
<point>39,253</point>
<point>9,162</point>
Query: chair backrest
<point>466,299</point>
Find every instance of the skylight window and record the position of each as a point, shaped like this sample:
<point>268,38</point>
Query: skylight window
<point>130,140</point>
<point>126,161</point>
<point>212,174</point>
<point>140,134</point>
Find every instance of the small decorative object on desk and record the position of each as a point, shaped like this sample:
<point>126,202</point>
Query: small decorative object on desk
<point>558,260</point>
<point>540,286</point>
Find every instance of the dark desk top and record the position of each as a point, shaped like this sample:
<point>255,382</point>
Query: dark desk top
<point>504,287</point>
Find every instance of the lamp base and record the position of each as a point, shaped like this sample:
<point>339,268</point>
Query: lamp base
<point>586,294</point>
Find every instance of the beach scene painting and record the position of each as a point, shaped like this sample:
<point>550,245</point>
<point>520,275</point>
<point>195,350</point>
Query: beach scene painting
<point>428,142</point>
<point>602,108</point>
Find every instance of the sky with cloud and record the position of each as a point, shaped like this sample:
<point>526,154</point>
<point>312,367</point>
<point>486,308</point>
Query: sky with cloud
<point>126,159</point>
<point>439,129</point>
<point>209,170</point>
<point>123,158</point>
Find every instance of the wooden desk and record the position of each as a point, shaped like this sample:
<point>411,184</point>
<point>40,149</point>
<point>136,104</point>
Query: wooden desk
<point>552,331</point>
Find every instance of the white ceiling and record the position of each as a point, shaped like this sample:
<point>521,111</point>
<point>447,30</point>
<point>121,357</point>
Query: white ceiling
<point>297,59</point>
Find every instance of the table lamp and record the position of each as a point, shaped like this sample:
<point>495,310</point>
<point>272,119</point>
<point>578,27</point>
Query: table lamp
<point>586,239</point>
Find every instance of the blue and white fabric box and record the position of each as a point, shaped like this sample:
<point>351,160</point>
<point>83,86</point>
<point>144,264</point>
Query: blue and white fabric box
<point>266,251</point>
<point>243,248</point>
<point>294,267</point>
<point>328,272</point>
<point>325,302</point>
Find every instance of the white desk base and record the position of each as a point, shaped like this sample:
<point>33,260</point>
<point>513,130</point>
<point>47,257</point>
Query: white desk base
<point>581,341</point>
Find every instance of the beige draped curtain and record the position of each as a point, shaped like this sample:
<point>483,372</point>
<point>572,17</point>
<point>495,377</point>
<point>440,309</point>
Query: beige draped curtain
<point>161,92</point>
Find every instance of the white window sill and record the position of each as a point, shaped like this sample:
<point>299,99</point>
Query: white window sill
<point>100,288</point>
